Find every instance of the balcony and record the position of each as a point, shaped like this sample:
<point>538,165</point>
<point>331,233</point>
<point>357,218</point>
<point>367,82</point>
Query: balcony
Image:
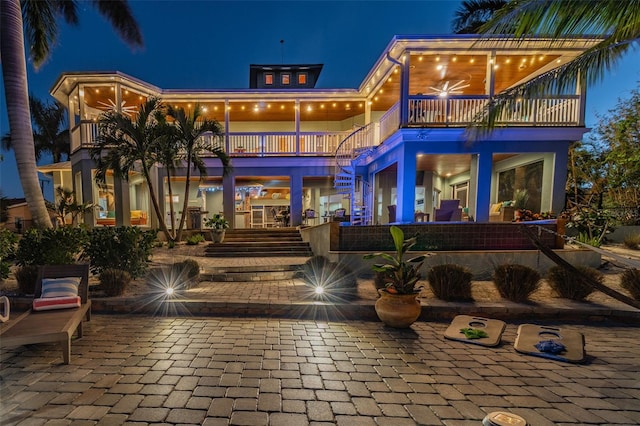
<point>460,111</point>
<point>244,144</point>
<point>423,111</point>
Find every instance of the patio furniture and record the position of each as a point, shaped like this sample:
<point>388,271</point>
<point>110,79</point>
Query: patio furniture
<point>308,216</point>
<point>340,215</point>
<point>56,325</point>
<point>449,211</point>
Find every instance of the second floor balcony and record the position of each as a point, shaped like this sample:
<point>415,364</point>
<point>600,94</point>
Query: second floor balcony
<point>422,111</point>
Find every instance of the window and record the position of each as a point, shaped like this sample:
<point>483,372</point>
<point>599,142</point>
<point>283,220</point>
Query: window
<point>268,79</point>
<point>525,181</point>
<point>302,79</point>
<point>285,79</point>
<point>461,192</point>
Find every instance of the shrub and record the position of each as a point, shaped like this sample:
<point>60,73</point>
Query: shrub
<point>125,247</point>
<point>171,244</point>
<point>59,246</point>
<point>337,279</point>
<point>8,242</point>
<point>190,270</point>
<point>114,281</point>
<point>586,239</point>
<point>26,276</point>
<point>630,281</point>
<point>573,286</point>
<point>450,282</point>
<point>632,241</point>
<point>516,282</point>
<point>195,239</point>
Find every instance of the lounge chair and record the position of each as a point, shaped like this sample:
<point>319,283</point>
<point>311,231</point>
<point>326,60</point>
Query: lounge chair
<point>51,326</point>
<point>449,211</point>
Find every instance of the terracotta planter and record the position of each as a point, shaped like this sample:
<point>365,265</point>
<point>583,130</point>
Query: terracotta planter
<point>217,235</point>
<point>398,310</point>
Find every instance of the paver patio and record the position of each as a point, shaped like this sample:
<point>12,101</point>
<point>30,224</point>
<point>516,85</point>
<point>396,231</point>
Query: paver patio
<point>222,371</point>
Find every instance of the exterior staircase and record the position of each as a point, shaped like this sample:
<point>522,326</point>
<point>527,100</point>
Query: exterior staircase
<point>260,242</point>
<point>347,182</point>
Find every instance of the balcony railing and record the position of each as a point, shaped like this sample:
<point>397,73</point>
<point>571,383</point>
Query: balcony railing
<point>463,110</point>
<point>452,111</point>
<point>258,144</point>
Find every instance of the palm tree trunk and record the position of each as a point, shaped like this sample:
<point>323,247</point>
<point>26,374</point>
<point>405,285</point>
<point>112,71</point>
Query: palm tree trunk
<point>14,71</point>
<point>172,213</point>
<point>185,205</point>
<point>154,201</point>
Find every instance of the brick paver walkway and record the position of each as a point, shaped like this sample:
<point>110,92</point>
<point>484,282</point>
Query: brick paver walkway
<point>142,370</point>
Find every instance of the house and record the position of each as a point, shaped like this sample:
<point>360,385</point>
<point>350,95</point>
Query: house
<point>397,144</point>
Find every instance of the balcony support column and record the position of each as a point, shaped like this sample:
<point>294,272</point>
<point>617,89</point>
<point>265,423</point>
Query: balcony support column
<point>481,171</point>
<point>297,109</point>
<point>406,184</point>
<point>121,194</point>
<point>581,90</point>
<point>226,127</point>
<point>229,199</point>
<point>295,200</point>
<point>490,85</point>
<point>558,191</point>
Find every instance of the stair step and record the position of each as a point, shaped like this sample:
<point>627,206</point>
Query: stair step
<point>270,253</point>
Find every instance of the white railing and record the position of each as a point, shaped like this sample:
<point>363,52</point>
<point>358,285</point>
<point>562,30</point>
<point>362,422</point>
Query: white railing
<point>461,111</point>
<point>243,143</point>
<point>390,122</point>
<point>285,143</point>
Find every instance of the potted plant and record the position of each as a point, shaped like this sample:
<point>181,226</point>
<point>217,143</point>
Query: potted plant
<point>218,225</point>
<point>398,305</point>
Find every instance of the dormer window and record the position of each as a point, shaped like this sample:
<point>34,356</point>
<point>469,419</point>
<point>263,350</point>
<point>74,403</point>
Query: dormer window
<point>302,79</point>
<point>285,78</point>
<point>268,79</point>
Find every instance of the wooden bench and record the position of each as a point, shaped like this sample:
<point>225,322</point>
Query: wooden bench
<point>55,326</point>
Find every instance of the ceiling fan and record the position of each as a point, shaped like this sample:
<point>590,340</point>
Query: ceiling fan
<point>447,88</point>
<point>111,106</point>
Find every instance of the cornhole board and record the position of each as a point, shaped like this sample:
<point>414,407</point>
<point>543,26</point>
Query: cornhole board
<point>530,334</point>
<point>492,327</point>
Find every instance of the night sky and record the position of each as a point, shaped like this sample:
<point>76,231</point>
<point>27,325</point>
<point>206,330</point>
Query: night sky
<point>210,44</point>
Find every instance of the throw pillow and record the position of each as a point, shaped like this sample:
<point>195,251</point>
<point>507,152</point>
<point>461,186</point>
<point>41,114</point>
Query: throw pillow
<point>60,287</point>
<point>50,303</point>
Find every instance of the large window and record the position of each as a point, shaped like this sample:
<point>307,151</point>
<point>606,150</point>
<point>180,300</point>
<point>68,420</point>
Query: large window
<point>522,183</point>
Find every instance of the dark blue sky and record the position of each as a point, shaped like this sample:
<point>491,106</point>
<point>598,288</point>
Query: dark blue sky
<point>210,44</point>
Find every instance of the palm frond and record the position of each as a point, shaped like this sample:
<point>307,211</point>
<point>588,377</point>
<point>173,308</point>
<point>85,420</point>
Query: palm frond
<point>119,15</point>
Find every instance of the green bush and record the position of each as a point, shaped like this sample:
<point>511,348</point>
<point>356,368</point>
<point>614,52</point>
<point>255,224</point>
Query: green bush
<point>114,282</point>
<point>337,279</point>
<point>26,276</point>
<point>586,239</point>
<point>632,241</point>
<point>195,239</point>
<point>125,247</point>
<point>450,282</point>
<point>190,270</point>
<point>630,281</point>
<point>516,282</point>
<point>573,286</point>
<point>59,246</point>
<point>8,242</point>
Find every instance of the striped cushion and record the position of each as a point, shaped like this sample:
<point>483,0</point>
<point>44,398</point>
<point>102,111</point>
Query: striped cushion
<point>60,287</point>
<point>49,303</point>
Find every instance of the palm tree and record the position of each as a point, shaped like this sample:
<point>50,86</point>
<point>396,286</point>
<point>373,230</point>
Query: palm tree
<point>189,129</point>
<point>167,155</point>
<point>50,134</point>
<point>41,29</point>
<point>617,20</point>
<point>125,144</point>
<point>472,14</point>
